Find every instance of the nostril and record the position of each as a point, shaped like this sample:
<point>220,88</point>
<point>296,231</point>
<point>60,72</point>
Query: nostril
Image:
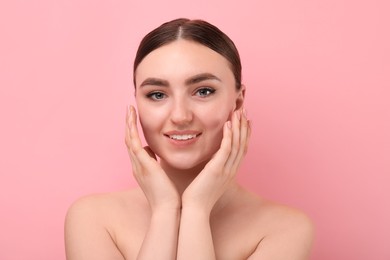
<point>181,115</point>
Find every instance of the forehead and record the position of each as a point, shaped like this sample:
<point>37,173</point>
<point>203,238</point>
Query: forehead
<point>182,59</point>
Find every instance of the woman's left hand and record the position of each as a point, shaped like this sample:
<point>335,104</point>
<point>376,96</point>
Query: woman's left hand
<point>214,179</point>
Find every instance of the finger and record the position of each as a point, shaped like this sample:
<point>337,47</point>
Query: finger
<point>137,170</point>
<point>243,133</point>
<point>143,157</point>
<point>243,141</point>
<point>131,139</point>
<point>135,142</point>
<point>236,118</point>
<point>249,136</point>
<point>127,129</point>
<point>223,153</point>
<point>128,140</point>
<point>127,137</point>
<point>135,165</point>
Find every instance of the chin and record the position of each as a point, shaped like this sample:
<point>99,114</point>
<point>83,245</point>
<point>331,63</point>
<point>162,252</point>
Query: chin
<point>188,166</point>
<point>185,162</point>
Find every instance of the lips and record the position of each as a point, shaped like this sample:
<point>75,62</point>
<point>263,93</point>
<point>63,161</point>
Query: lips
<point>182,136</point>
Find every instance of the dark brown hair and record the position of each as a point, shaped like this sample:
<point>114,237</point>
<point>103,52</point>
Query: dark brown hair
<point>198,31</point>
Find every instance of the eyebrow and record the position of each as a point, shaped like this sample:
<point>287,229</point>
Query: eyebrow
<point>201,77</point>
<point>155,82</point>
<point>190,81</point>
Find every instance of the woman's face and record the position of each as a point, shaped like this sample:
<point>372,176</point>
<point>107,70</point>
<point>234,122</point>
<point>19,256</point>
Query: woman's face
<point>185,93</point>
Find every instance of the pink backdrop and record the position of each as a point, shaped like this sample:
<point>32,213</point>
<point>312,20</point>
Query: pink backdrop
<point>317,74</point>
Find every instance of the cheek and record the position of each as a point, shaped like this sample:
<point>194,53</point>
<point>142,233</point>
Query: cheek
<point>214,124</point>
<point>220,111</point>
<point>216,119</point>
<point>146,126</point>
<point>149,129</point>
<point>217,122</point>
<point>148,119</point>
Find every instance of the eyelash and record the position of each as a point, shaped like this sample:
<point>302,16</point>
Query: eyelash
<point>152,95</point>
<point>210,90</point>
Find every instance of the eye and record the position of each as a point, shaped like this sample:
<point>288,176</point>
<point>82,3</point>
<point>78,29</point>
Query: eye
<point>156,95</point>
<point>204,92</point>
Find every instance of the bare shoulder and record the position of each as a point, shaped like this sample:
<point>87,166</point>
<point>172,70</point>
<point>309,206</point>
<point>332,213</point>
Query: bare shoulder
<point>106,202</point>
<point>283,217</point>
<point>287,232</point>
<point>90,224</point>
<point>100,208</point>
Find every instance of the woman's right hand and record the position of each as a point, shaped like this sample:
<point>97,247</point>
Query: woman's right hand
<point>158,188</point>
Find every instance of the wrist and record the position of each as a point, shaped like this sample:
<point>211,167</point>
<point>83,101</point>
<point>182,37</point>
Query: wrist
<point>196,211</point>
<point>166,205</point>
<point>165,214</point>
<point>166,209</point>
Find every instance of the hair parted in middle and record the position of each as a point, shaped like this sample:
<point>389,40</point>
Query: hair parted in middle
<point>198,31</point>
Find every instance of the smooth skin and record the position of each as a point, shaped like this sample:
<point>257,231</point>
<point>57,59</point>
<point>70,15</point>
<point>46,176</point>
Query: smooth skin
<point>188,204</point>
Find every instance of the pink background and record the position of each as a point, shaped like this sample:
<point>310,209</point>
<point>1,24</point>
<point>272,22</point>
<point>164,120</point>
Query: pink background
<point>317,74</point>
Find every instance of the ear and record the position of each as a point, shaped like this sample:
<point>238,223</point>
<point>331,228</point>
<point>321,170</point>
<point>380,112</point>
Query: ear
<point>240,98</point>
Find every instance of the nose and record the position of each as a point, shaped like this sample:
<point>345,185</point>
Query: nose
<point>181,113</point>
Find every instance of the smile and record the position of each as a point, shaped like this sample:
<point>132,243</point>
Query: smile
<point>182,137</point>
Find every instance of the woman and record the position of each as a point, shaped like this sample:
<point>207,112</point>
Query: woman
<point>189,95</point>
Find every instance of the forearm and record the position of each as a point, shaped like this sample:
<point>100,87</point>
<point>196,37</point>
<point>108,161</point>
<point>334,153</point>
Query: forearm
<point>195,239</point>
<point>160,241</point>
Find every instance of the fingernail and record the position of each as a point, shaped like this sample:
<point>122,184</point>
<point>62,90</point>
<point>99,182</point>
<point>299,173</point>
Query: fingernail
<point>244,113</point>
<point>229,124</point>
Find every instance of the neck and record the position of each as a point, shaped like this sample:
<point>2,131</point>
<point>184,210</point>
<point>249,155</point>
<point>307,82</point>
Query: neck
<point>181,178</point>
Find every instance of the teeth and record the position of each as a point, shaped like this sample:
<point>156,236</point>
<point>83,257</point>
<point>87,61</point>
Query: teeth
<point>182,137</point>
